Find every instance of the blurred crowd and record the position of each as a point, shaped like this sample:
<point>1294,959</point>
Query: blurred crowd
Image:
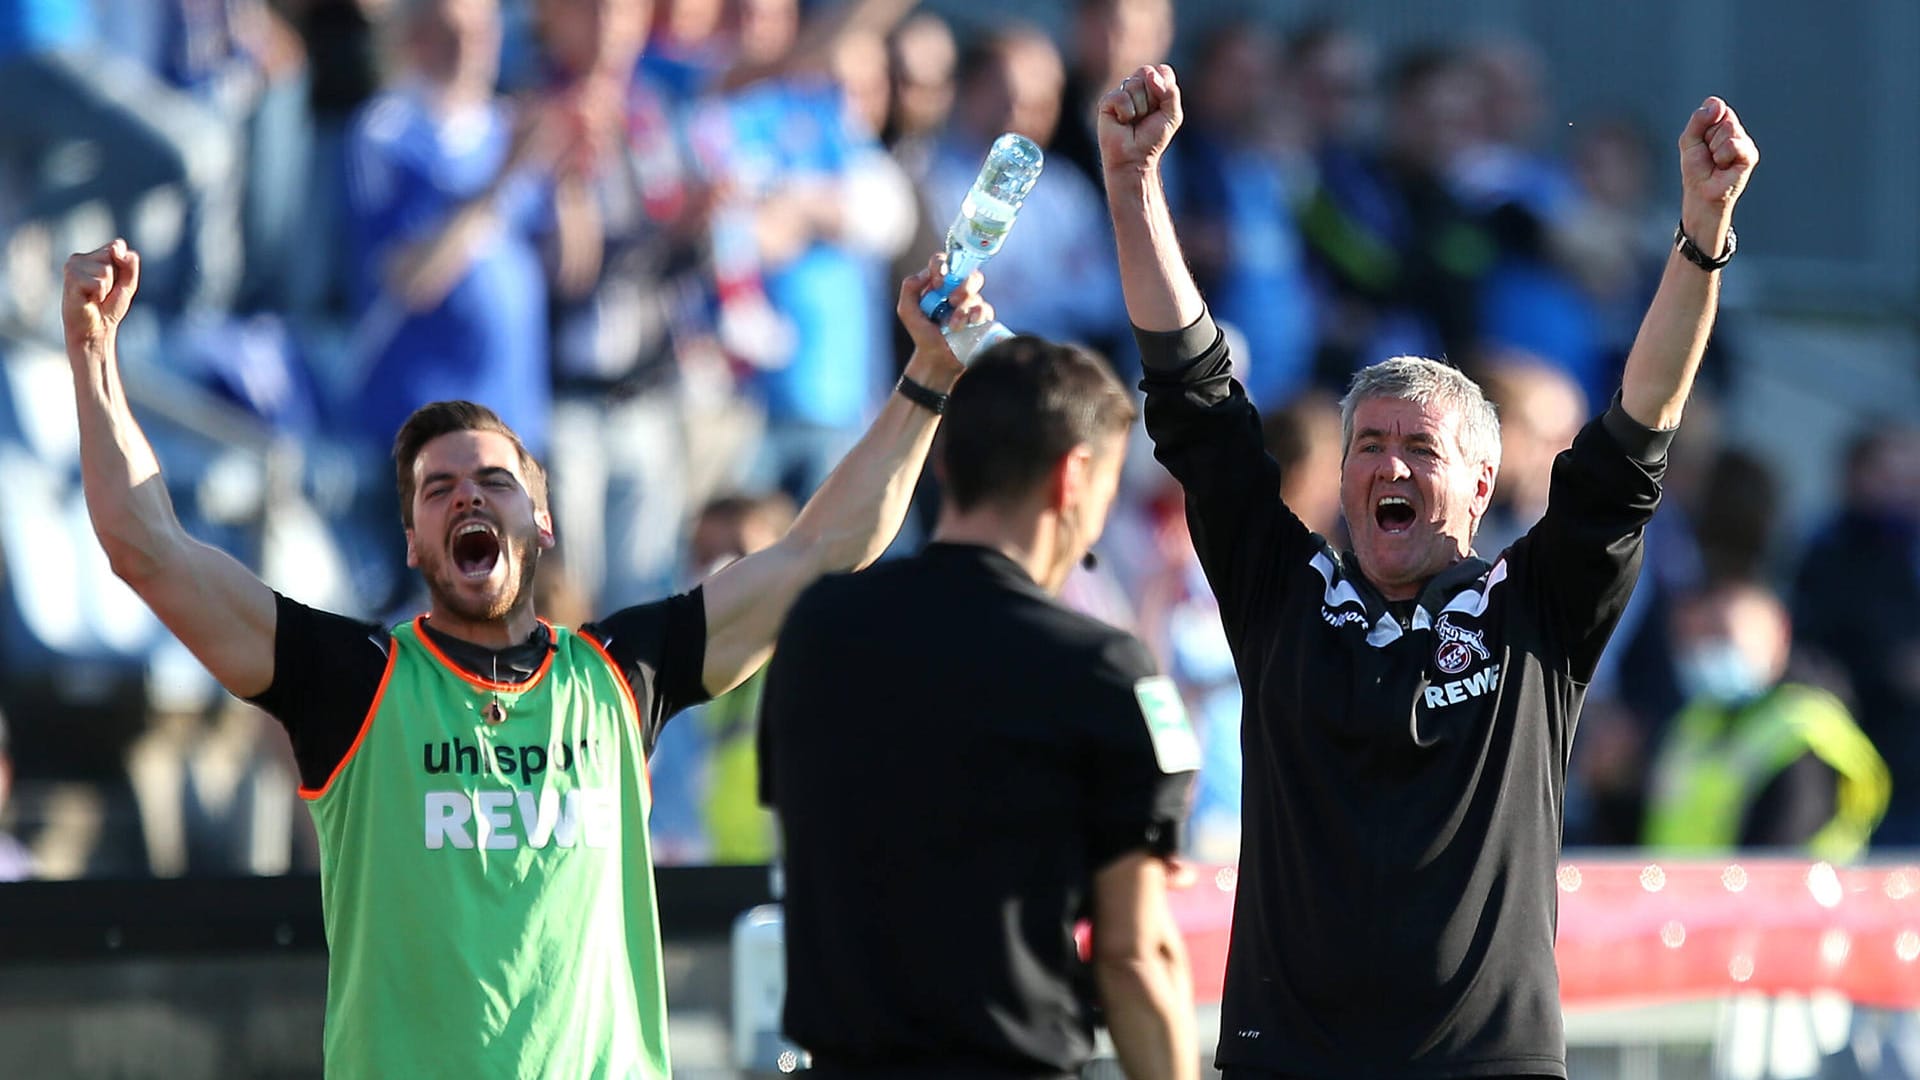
<point>662,237</point>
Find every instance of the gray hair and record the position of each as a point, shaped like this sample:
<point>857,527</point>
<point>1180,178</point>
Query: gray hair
<point>1428,382</point>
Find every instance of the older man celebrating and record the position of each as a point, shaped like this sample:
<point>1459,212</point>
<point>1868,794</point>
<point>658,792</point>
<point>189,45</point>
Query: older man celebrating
<point>1409,706</point>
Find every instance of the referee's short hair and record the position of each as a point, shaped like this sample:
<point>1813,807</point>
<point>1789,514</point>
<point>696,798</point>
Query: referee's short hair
<point>438,418</point>
<point>1023,404</point>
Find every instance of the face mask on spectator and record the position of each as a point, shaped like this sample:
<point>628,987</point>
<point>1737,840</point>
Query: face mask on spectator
<point>1719,672</point>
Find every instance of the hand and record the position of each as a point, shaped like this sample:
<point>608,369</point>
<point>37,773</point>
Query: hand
<point>593,116</point>
<point>1716,158</point>
<point>98,290</point>
<point>1136,121</point>
<point>539,135</point>
<point>968,309</point>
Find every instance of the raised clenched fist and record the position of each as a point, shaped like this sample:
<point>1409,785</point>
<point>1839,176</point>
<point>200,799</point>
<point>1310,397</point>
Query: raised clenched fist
<point>98,290</point>
<point>1716,158</point>
<point>1137,120</point>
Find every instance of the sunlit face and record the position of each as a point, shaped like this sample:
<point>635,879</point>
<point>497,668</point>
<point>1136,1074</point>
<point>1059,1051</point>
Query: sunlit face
<point>476,534</point>
<point>1411,499</point>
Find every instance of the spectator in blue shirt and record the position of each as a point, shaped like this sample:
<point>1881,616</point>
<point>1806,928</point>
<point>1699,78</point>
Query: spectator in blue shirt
<point>800,153</point>
<point>446,203</point>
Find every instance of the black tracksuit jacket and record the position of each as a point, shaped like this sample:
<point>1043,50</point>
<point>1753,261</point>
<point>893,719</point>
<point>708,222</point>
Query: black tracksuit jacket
<point>1403,782</point>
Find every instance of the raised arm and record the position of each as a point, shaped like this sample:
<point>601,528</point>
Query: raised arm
<point>1716,158</point>
<point>856,512</point>
<point>1583,555</point>
<point>1204,429</point>
<point>214,605</point>
<point>1136,123</point>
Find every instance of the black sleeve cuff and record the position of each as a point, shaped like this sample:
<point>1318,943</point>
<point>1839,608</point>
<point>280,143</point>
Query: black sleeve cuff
<point>687,642</point>
<point>1166,352</point>
<point>1641,443</point>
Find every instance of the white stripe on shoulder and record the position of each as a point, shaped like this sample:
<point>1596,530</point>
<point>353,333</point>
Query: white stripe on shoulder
<point>1385,629</point>
<point>1339,589</point>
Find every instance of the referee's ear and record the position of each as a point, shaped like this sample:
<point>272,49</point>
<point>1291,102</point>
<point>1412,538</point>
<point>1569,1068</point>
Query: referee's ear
<point>1069,478</point>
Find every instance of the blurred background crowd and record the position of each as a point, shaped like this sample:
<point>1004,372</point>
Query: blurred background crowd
<point>662,238</point>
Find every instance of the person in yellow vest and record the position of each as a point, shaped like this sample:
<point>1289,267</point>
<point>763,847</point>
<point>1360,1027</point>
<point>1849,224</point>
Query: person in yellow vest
<point>1752,760</point>
<point>739,830</point>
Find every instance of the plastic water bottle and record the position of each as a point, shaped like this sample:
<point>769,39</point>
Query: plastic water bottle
<point>986,216</point>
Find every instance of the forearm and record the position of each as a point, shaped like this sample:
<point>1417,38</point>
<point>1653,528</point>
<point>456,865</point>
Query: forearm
<point>425,271</point>
<point>1673,337</point>
<point>579,239</point>
<point>1148,1003</point>
<point>127,502</point>
<point>857,511</point>
<point>1160,292</point>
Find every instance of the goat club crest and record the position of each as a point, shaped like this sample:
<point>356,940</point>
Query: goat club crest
<point>1458,647</point>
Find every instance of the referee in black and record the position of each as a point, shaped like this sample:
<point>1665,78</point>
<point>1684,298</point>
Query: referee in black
<point>1409,706</point>
<point>963,768</point>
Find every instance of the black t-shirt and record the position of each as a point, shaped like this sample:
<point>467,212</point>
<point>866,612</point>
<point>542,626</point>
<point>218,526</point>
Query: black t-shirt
<point>327,670</point>
<point>953,756</point>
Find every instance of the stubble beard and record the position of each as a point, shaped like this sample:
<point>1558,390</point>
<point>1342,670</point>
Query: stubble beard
<point>443,584</point>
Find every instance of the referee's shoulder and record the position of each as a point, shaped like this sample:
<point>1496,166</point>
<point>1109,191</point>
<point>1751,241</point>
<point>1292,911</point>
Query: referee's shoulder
<point>854,588</point>
<point>1102,651</point>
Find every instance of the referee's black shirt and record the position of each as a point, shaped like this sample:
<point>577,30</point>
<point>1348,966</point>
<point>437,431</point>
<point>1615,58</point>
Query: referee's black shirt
<point>1403,781</point>
<point>953,755</point>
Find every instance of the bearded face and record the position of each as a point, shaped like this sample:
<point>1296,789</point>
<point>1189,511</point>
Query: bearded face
<point>477,535</point>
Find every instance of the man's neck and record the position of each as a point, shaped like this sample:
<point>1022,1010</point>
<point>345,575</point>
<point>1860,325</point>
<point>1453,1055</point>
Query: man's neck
<point>1020,537</point>
<point>515,627</point>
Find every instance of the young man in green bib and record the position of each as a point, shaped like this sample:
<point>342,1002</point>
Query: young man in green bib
<point>477,775</point>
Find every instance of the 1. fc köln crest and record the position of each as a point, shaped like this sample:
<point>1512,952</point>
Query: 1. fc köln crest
<point>1458,647</point>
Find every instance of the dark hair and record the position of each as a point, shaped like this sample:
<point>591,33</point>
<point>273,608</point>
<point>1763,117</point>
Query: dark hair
<point>1022,405</point>
<point>429,422</point>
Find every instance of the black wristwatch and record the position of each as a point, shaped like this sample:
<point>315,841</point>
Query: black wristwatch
<point>1685,246</point>
<point>926,397</point>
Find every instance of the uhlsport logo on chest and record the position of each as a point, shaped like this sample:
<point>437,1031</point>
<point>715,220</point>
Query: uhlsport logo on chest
<point>1458,646</point>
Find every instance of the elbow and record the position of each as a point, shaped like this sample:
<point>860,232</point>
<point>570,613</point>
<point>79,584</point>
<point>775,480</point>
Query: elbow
<point>131,564</point>
<point>136,557</point>
<point>1141,963</point>
<point>1133,966</point>
<point>820,552</point>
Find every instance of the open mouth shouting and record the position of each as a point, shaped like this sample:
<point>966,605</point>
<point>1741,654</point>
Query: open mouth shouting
<point>1393,514</point>
<point>475,550</point>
